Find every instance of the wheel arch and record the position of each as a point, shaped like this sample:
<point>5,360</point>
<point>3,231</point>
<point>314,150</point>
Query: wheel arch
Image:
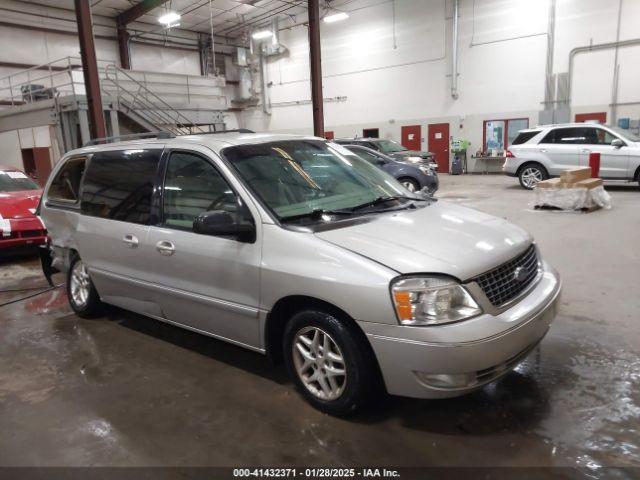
<point>528,163</point>
<point>286,307</point>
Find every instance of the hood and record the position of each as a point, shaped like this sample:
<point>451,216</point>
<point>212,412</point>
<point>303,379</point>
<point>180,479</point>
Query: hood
<point>14,205</point>
<point>439,238</point>
<point>411,153</point>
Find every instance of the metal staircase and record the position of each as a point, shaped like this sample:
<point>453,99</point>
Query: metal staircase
<point>134,101</point>
<point>142,105</point>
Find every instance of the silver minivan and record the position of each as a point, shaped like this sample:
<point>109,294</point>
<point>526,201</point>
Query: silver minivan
<point>298,249</point>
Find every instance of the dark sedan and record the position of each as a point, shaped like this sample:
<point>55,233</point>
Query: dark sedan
<point>393,150</point>
<point>413,177</point>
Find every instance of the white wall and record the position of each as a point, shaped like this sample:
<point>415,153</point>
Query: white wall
<point>403,81</point>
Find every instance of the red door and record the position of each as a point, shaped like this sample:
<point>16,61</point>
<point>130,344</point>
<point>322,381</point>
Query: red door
<point>600,117</point>
<point>329,135</point>
<point>411,137</point>
<point>439,145</point>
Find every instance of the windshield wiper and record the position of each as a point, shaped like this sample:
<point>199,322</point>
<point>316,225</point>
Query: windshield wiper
<point>379,200</point>
<point>317,214</point>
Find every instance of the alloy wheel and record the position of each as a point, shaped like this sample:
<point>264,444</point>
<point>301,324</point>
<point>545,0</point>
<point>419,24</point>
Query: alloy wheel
<point>80,284</point>
<point>319,363</point>
<point>409,186</point>
<point>531,176</point>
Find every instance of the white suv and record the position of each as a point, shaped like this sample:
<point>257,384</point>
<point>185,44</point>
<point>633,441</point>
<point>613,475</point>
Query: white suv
<point>543,152</point>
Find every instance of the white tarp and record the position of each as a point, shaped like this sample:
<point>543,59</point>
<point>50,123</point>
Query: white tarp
<point>571,198</point>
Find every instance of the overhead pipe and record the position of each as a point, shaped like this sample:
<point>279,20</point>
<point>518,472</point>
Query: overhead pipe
<point>590,48</point>
<point>454,52</point>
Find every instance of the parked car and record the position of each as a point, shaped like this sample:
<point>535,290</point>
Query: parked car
<point>414,178</point>
<point>393,149</point>
<point>19,197</point>
<point>296,248</point>
<point>543,152</point>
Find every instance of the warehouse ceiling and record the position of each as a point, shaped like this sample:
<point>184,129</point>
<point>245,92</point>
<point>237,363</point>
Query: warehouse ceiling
<point>230,17</point>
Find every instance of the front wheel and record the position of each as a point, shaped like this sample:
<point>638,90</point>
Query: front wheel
<point>83,297</point>
<point>410,184</point>
<point>531,174</point>
<point>328,362</point>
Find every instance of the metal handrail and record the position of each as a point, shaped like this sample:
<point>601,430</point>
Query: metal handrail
<point>152,104</point>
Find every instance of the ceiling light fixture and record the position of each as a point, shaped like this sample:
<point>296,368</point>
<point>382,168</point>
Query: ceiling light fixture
<point>262,34</point>
<point>336,17</point>
<point>169,19</point>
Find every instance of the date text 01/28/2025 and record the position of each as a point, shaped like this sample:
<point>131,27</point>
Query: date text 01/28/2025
<point>315,473</point>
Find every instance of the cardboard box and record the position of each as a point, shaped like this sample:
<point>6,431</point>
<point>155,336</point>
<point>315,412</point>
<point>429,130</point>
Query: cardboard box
<point>575,174</point>
<point>589,183</point>
<point>552,183</point>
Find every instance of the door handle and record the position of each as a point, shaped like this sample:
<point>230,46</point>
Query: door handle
<point>165,247</point>
<point>543,150</point>
<point>130,241</point>
<point>584,150</point>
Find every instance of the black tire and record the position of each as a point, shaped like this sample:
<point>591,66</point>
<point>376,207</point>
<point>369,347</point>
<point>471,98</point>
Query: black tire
<point>361,372</point>
<point>93,306</point>
<point>526,173</point>
<point>411,181</point>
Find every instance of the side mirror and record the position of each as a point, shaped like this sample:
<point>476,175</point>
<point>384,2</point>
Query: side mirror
<point>223,224</point>
<point>616,142</point>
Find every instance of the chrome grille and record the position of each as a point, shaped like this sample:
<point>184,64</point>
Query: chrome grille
<point>500,284</point>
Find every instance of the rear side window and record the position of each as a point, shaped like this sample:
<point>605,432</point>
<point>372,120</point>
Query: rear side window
<point>524,137</point>
<point>66,186</point>
<point>566,136</point>
<point>119,185</point>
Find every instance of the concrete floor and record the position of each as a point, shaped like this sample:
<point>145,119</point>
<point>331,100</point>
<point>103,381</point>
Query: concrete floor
<point>126,390</point>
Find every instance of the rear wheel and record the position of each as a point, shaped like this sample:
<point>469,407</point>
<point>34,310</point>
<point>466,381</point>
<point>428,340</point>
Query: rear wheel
<point>410,184</point>
<point>82,294</point>
<point>530,174</point>
<point>328,362</point>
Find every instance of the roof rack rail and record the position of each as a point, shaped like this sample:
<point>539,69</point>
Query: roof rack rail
<point>162,134</point>
<point>235,130</point>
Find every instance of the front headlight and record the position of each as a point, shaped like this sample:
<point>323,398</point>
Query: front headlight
<point>413,159</point>
<point>432,301</point>
<point>425,170</point>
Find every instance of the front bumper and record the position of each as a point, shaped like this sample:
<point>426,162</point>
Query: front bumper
<point>23,232</point>
<point>479,350</point>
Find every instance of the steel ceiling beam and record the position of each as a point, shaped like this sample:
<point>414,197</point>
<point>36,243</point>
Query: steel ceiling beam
<point>97,127</point>
<point>125,18</point>
<point>137,11</point>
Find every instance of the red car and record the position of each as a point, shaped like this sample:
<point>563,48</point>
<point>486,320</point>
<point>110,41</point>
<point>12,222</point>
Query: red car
<point>19,197</point>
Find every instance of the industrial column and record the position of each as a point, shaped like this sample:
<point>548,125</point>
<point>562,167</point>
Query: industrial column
<point>90,69</point>
<point>315,61</point>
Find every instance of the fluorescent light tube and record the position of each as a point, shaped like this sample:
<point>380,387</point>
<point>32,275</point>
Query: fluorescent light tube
<point>336,17</point>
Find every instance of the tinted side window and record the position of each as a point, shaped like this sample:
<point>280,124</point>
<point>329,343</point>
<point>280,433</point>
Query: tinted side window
<point>524,137</point>
<point>369,157</point>
<point>566,136</point>
<point>598,136</point>
<point>193,186</point>
<point>119,185</point>
<point>66,185</point>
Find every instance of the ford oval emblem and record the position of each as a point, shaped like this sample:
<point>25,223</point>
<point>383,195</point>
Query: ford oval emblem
<point>520,274</point>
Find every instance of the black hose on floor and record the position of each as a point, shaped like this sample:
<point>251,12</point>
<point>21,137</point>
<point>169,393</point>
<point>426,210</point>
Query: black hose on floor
<point>16,300</point>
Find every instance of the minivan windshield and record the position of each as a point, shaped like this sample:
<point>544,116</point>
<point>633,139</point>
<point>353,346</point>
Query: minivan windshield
<point>299,177</point>
<point>389,146</point>
<point>13,181</point>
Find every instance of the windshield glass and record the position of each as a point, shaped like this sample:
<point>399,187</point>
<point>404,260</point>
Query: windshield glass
<point>16,182</point>
<point>626,134</point>
<point>389,146</point>
<point>299,177</point>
